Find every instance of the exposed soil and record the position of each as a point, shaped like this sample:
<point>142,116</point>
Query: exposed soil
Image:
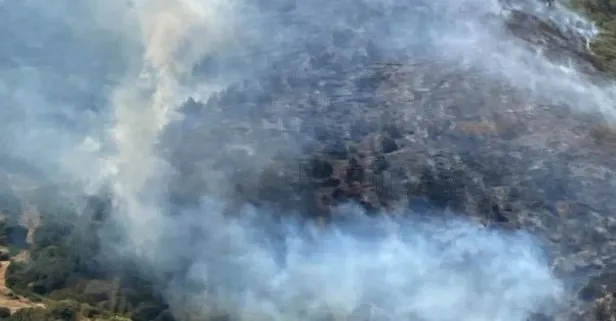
<point>10,300</point>
<point>31,220</point>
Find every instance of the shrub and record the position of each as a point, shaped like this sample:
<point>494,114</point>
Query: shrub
<point>91,312</point>
<point>48,271</point>
<point>165,316</point>
<point>30,314</point>
<point>146,312</point>
<point>4,312</point>
<point>61,311</point>
<point>603,13</point>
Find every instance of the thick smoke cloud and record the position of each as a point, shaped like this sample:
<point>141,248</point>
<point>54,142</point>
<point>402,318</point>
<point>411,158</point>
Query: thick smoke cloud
<point>89,89</point>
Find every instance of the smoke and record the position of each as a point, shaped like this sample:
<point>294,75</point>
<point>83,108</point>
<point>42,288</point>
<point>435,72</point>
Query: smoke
<point>120,67</point>
<point>143,103</point>
<point>87,103</point>
<point>256,268</point>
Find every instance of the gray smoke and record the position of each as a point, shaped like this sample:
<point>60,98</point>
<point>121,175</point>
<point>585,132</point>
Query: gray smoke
<point>90,88</point>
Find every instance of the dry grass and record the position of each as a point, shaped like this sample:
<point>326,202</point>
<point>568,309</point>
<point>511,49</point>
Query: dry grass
<point>478,127</point>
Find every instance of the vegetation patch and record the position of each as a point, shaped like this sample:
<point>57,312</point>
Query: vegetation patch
<point>603,13</point>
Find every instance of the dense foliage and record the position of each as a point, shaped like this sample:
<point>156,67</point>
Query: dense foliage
<point>603,12</point>
<point>66,273</point>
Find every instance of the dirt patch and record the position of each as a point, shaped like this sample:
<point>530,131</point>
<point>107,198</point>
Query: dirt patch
<point>478,127</point>
<point>22,256</point>
<point>10,300</point>
<point>30,219</point>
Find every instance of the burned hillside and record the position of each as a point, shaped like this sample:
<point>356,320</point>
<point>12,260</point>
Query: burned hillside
<point>499,115</point>
<point>416,133</point>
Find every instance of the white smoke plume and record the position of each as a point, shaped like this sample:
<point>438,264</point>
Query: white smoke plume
<point>363,268</point>
<point>91,108</point>
<point>175,35</point>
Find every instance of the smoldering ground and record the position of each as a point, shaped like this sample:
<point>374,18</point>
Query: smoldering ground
<point>91,88</point>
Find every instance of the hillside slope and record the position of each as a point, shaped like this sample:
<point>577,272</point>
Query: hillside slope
<point>524,143</point>
<point>419,133</point>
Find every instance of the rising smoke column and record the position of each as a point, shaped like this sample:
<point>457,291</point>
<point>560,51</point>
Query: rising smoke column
<point>175,35</point>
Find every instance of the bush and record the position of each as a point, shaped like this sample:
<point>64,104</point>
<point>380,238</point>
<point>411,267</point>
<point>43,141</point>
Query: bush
<point>146,312</point>
<point>603,13</point>
<point>4,256</point>
<point>17,236</point>
<point>30,314</point>
<point>91,312</point>
<point>63,311</point>
<point>165,316</point>
<point>63,265</point>
<point>48,271</point>
<point>9,202</point>
<point>96,291</point>
<point>4,312</point>
<point>51,234</point>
